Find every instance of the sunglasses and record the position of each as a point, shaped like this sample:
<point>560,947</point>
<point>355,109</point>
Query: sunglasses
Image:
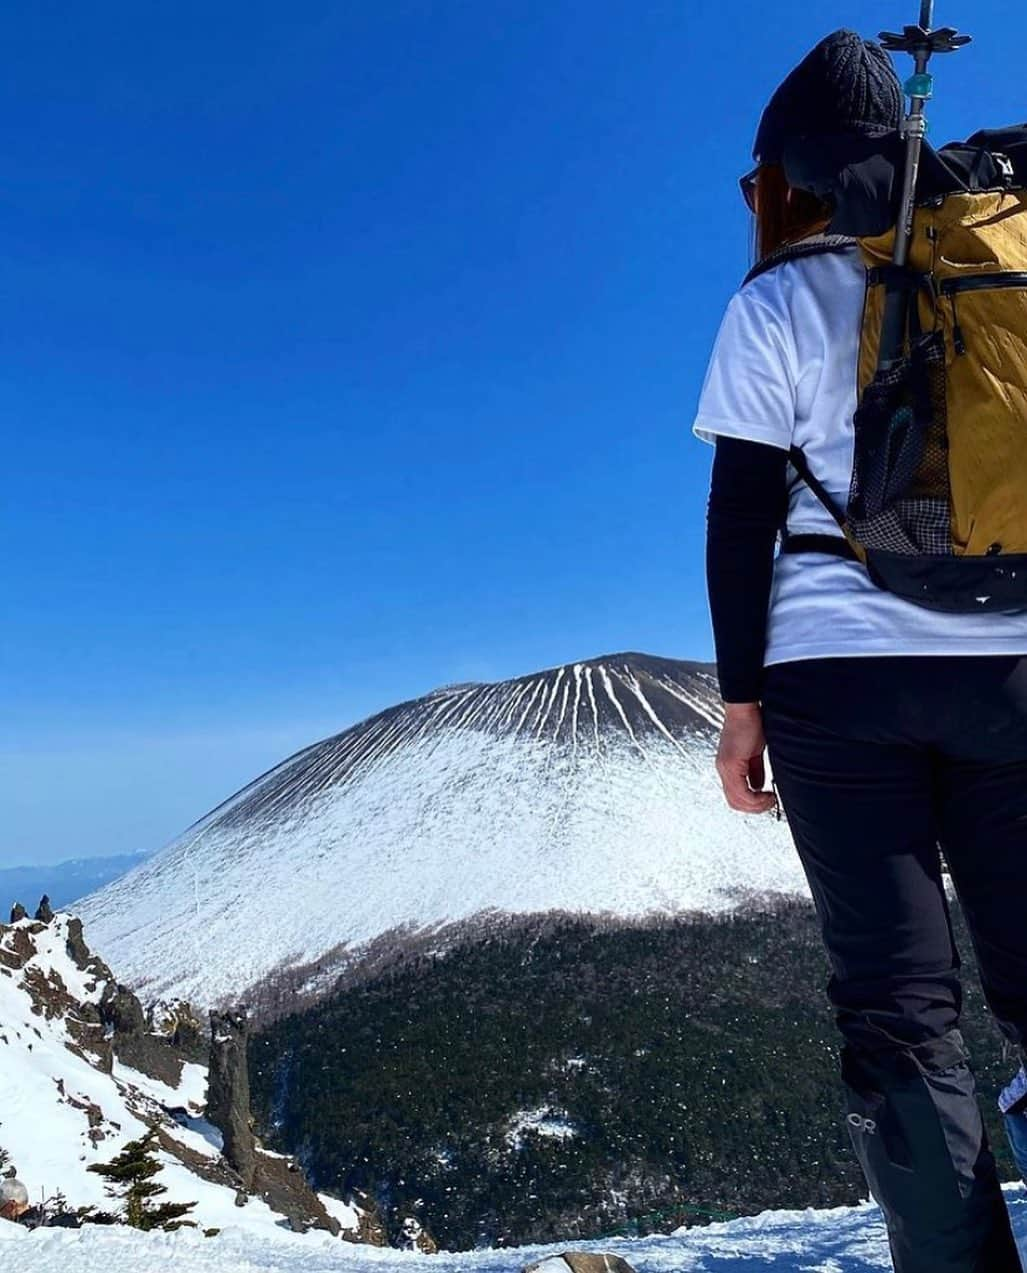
<point>747,185</point>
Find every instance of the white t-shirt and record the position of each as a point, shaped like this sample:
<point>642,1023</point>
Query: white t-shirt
<point>784,371</point>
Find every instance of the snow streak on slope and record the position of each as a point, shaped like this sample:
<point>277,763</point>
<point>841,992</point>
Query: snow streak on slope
<point>587,788</point>
<point>841,1240</point>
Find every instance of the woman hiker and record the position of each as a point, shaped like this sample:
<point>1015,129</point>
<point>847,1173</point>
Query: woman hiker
<point>891,729</point>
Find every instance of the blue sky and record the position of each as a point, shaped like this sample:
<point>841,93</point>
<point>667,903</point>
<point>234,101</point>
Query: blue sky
<point>350,350</point>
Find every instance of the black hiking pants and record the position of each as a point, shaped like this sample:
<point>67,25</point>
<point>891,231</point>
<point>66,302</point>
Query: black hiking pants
<point>878,763</point>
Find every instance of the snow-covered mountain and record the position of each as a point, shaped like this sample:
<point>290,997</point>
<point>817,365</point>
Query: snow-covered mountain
<point>69,1100</point>
<point>585,788</point>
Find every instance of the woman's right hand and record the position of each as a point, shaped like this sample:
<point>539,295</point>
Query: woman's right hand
<point>740,759</point>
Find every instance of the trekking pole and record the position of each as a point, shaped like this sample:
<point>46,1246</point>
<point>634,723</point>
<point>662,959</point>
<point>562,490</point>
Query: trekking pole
<point>921,43</point>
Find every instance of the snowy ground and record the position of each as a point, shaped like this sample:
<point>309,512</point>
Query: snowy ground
<point>842,1240</point>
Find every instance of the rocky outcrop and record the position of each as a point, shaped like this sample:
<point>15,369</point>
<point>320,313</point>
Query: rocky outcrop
<point>112,1023</point>
<point>121,1018</point>
<point>17,946</point>
<point>67,997</point>
<point>283,1186</point>
<point>582,1262</point>
<point>371,1228</point>
<point>121,1010</point>
<point>279,1181</point>
<point>80,954</point>
<point>228,1091</point>
<point>18,913</point>
<point>179,1023</point>
<point>44,911</point>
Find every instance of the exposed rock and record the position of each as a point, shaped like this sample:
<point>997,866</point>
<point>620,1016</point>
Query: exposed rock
<point>151,1055</point>
<point>18,913</point>
<point>88,1040</point>
<point>94,1117</point>
<point>51,999</point>
<point>121,1010</point>
<point>214,1170</point>
<point>17,947</point>
<point>279,1181</point>
<point>78,951</point>
<point>83,958</point>
<point>283,1186</point>
<point>228,1091</point>
<point>98,1031</point>
<point>50,996</point>
<point>371,1229</point>
<point>583,1262</point>
<point>44,912</point>
<point>95,1018</point>
<point>181,1026</point>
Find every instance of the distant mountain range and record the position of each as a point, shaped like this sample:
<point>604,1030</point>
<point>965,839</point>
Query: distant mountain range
<point>586,788</point>
<point>63,882</point>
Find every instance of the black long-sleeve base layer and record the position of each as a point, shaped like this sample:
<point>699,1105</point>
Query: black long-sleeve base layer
<point>748,502</point>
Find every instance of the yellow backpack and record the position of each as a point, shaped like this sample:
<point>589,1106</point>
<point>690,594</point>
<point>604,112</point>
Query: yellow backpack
<point>937,508</point>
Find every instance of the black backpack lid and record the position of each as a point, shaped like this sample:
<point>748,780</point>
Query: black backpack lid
<point>861,176</point>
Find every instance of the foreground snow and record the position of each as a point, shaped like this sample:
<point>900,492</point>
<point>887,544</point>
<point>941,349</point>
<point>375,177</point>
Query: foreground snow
<point>842,1240</point>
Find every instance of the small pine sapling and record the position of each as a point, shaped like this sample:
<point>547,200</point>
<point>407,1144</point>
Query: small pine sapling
<point>130,1176</point>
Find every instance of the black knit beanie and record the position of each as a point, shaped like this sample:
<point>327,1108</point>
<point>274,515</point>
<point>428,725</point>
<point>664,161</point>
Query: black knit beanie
<point>844,85</point>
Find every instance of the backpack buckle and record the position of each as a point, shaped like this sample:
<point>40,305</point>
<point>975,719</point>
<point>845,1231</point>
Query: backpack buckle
<point>1005,167</point>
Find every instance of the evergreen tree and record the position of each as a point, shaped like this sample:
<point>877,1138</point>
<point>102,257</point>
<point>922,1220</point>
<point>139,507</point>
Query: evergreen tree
<point>563,1077</point>
<point>130,1176</point>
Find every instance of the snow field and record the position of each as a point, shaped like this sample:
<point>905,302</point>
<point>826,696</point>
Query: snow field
<point>840,1240</point>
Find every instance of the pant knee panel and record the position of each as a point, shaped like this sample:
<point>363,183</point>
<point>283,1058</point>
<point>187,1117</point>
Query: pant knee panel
<point>915,1125</point>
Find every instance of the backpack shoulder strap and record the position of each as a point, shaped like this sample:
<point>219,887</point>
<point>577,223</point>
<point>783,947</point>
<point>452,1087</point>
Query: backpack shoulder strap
<point>815,245</point>
<point>836,545</point>
<point>801,466</point>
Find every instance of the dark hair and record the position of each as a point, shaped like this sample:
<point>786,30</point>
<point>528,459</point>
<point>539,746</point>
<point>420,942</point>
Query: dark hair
<point>783,213</point>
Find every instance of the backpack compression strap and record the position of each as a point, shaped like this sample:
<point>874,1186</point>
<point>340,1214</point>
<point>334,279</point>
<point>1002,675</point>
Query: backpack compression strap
<point>833,545</point>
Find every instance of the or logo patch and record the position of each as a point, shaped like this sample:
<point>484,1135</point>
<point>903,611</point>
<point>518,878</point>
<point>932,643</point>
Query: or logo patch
<point>862,1124</point>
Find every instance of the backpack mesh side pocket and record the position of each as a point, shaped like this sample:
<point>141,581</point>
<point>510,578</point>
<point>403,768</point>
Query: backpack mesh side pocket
<point>899,498</point>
